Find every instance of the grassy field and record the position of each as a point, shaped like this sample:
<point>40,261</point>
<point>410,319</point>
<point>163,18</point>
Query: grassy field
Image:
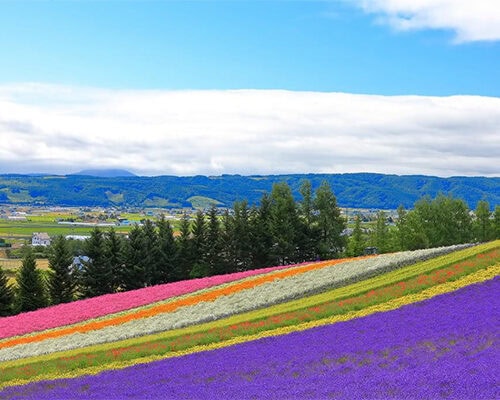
<point>24,230</point>
<point>11,266</point>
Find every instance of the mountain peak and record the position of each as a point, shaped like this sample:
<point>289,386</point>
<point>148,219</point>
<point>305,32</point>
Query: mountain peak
<point>105,173</point>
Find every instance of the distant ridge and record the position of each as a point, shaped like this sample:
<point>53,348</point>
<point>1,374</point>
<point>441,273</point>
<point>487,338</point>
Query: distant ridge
<point>105,173</point>
<point>123,189</point>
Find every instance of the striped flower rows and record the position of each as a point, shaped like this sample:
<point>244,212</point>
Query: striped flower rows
<point>163,307</point>
<point>235,298</point>
<point>374,357</point>
<point>480,276</point>
<point>78,311</point>
<point>253,324</point>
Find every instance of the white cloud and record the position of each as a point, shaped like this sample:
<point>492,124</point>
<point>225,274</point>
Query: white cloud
<point>471,20</point>
<point>58,129</point>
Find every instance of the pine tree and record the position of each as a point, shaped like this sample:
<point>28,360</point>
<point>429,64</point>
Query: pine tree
<point>166,255</point>
<point>199,243</point>
<point>228,240</point>
<point>6,295</point>
<point>62,282</point>
<point>261,236</point>
<point>150,251</point>
<point>96,277</point>
<point>31,286</point>
<point>213,253</point>
<point>114,253</point>
<point>184,256</point>
<point>242,236</point>
<point>134,272</point>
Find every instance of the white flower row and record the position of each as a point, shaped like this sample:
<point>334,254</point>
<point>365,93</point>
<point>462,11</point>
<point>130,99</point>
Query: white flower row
<point>264,295</point>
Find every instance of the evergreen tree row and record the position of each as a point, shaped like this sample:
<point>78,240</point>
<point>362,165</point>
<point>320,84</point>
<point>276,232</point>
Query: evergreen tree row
<point>279,231</point>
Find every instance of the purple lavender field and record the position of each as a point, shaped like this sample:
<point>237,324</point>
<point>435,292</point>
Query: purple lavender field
<point>444,348</point>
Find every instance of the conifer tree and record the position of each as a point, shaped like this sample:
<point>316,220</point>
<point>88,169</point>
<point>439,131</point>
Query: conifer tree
<point>184,256</point>
<point>166,255</point>
<point>150,251</point>
<point>228,240</point>
<point>6,295</point>
<point>62,282</point>
<point>31,286</point>
<point>96,277</point>
<point>213,253</point>
<point>261,239</point>
<point>134,272</point>
<point>242,236</point>
<point>114,254</point>
<point>199,267</point>
<point>356,243</point>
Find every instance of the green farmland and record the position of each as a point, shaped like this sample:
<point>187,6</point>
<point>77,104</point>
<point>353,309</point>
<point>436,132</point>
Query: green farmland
<point>24,229</point>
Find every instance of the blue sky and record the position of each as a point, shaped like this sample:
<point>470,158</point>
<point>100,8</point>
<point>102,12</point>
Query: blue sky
<point>119,66</point>
<point>317,46</point>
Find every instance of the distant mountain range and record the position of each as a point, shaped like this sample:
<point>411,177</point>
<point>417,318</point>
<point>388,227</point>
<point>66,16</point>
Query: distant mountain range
<point>105,173</point>
<point>122,188</point>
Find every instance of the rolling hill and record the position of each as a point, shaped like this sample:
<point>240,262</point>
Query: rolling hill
<point>418,324</point>
<point>363,190</point>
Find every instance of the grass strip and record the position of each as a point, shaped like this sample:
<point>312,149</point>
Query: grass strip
<point>476,277</point>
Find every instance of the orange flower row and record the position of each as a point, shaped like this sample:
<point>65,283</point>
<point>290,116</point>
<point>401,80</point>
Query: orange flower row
<point>170,306</point>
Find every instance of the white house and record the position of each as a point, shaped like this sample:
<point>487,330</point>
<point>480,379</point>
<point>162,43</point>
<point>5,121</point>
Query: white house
<point>40,239</point>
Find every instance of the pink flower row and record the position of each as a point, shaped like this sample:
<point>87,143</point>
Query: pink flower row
<point>81,310</point>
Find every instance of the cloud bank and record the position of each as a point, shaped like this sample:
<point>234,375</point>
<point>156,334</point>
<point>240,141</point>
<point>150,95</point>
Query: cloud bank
<point>471,20</point>
<point>55,129</point>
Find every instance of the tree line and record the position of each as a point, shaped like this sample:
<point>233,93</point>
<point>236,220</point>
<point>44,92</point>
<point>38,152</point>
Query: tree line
<point>278,231</point>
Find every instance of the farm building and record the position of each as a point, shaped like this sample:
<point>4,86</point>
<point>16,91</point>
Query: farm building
<point>40,239</point>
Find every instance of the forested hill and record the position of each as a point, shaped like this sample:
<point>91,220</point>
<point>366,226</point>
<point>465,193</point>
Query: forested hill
<point>360,190</point>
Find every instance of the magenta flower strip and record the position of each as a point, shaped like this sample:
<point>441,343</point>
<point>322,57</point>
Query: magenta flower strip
<point>78,311</point>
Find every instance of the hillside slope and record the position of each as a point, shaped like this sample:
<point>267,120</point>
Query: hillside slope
<point>351,328</point>
<point>361,190</point>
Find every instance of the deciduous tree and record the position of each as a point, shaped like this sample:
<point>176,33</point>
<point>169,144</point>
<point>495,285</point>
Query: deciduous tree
<point>482,224</point>
<point>329,222</point>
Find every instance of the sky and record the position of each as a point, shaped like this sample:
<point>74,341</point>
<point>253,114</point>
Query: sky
<point>250,87</point>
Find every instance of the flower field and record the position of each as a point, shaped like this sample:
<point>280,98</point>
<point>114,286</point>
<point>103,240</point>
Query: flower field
<point>419,324</point>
